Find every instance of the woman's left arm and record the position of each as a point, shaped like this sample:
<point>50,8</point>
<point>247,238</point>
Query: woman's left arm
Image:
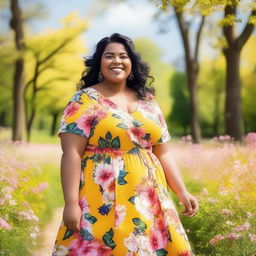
<point>174,179</point>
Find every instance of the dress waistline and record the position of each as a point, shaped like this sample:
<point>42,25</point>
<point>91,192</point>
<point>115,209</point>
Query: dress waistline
<point>134,150</point>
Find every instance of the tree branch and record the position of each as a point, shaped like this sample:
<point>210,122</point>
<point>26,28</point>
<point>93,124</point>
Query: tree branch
<point>198,37</point>
<point>184,33</point>
<point>248,29</point>
<point>228,31</point>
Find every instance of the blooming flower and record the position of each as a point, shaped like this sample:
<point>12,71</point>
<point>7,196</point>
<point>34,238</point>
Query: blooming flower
<point>157,240</point>
<point>252,237</point>
<point>226,212</point>
<point>120,212</point>
<point>42,186</point>
<point>71,109</point>
<point>104,174</point>
<point>233,236</point>
<point>216,239</point>
<point>243,227</point>
<point>4,224</point>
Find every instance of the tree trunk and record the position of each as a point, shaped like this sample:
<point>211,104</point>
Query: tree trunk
<point>18,78</point>
<point>54,123</point>
<point>192,75</point>
<point>233,113</point>
<point>29,123</point>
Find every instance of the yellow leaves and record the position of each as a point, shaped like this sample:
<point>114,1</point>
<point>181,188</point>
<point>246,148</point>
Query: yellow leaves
<point>252,20</point>
<point>229,20</point>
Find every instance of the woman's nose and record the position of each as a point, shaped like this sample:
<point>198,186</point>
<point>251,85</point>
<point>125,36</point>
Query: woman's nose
<point>117,59</point>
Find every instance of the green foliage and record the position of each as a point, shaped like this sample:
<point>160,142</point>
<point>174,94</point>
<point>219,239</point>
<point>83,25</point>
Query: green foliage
<point>179,116</point>
<point>160,70</point>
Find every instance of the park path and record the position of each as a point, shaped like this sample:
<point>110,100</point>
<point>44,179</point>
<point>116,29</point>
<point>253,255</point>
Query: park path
<point>48,236</point>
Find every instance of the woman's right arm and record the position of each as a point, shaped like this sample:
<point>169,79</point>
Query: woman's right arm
<point>73,147</point>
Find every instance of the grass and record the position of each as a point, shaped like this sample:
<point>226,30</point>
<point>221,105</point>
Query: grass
<point>37,136</point>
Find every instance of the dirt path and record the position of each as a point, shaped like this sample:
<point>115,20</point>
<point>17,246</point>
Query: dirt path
<point>49,235</point>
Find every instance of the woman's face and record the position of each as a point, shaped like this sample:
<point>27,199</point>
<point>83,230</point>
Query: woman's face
<point>115,63</point>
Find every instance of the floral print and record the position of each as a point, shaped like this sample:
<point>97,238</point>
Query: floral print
<point>123,193</point>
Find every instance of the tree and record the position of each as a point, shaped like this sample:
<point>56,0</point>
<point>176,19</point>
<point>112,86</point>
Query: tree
<point>44,50</point>
<point>18,77</point>
<point>232,53</point>
<point>191,58</point>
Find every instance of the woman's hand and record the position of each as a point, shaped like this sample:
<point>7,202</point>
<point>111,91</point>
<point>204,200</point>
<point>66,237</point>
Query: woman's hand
<point>190,203</point>
<point>72,216</point>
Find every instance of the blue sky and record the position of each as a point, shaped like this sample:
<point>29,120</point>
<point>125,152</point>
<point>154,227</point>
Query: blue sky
<point>132,18</point>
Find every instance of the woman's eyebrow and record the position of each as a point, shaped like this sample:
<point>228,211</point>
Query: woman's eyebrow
<point>112,53</point>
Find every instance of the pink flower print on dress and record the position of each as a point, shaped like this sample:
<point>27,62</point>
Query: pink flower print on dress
<point>157,240</point>
<point>93,248</point>
<point>185,253</point>
<point>84,204</point>
<point>107,103</point>
<point>85,123</point>
<point>71,109</point>
<point>104,175</point>
<point>120,212</point>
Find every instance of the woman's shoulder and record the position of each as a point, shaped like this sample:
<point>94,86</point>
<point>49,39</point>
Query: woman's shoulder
<point>149,96</point>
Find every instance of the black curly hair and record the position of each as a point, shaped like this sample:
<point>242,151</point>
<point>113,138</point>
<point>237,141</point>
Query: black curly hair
<point>140,69</point>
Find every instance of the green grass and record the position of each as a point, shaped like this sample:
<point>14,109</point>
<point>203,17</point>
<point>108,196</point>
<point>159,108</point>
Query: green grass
<point>37,136</point>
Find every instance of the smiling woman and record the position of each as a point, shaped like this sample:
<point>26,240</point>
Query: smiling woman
<point>115,160</point>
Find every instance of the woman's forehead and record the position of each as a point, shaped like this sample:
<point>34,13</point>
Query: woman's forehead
<point>115,47</point>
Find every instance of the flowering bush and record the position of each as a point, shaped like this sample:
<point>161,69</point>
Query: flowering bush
<point>23,194</point>
<point>222,175</point>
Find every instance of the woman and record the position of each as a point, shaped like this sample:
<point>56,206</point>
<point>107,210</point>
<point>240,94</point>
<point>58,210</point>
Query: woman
<point>116,163</point>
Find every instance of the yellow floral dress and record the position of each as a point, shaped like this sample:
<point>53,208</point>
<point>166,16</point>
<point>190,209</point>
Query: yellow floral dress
<point>126,209</point>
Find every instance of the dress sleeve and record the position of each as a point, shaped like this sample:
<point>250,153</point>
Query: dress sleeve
<point>78,116</point>
<point>165,136</point>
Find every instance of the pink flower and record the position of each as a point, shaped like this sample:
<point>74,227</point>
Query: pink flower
<point>216,239</point>
<point>251,138</point>
<point>85,123</point>
<point>98,111</point>
<point>185,253</point>
<point>4,224</point>
<point>243,227</point>
<point>104,175</point>
<point>120,212</point>
<point>83,204</point>
<point>226,212</point>
<point>157,240</point>
<point>252,237</point>
<point>93,248</point>
<point>71,109</point>
<point>136,132</point>
<point>28,215</point>
<point>232,236</point>
<point>42,186</point>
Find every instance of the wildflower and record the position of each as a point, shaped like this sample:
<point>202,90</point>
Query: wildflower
<point>42,186</point>
<point>243,227</point>
<point>252,237</point>
<point>230,223</point>
<point>4,224</point>
<point>233,236</point>
<point>226,212</point>
<point>216,239</point>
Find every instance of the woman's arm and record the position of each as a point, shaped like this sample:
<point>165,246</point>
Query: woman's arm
<point>73,147</point>
<point>174,179</point>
